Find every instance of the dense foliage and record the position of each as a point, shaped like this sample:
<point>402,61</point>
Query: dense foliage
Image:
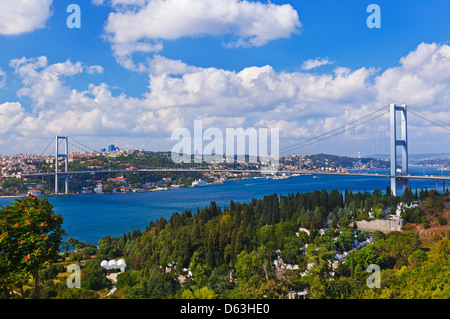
<point>30,236</point>
<point>229,252</point>
<point>245,238</point>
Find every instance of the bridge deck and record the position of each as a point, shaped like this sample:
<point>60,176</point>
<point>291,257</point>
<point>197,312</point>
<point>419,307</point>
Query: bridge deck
<point>205,170</point>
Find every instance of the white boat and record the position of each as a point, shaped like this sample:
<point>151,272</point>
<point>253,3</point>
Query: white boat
<point>199,183</point>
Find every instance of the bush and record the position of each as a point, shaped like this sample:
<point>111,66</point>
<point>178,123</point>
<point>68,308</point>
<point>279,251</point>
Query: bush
<point>377,235</point>
<point>413,215</point>
<point>401,262</point>
<point>344,222</point>
<point>442,221</point>
<point>125,279</point>
<point>95,278</point>
<point>417,257</point>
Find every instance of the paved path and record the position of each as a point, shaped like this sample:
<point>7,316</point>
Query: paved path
<point>113,278</point>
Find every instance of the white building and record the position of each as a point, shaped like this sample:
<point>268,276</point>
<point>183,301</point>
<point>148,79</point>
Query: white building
<point>112,264</point>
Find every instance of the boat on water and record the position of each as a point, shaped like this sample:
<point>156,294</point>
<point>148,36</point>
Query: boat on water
<point>199,183</point>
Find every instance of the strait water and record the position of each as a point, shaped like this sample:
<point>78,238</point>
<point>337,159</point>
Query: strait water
<point>90,217</point>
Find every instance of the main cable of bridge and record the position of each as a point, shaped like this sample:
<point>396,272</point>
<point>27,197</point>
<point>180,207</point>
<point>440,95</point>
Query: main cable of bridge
<point>426,117</point>
<point>83,147</point>
<point>344,129</point>
<point>47,146</point>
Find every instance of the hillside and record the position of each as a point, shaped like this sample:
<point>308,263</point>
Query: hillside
<point>433,212</point>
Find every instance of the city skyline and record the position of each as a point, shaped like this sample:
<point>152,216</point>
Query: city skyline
<point>138,69</point>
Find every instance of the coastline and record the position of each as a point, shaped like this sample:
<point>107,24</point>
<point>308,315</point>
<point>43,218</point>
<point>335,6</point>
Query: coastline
<point>146,191</point>
<point>274,177</point>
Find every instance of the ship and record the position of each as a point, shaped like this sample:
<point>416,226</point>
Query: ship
<point>199,183</point>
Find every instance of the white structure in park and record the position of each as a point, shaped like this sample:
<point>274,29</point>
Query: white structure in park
<point>112,264</point>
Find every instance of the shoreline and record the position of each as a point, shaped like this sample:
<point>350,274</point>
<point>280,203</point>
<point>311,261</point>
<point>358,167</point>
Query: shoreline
<point>145,191</point>
<point>142,191</point>
<point>209,184</point>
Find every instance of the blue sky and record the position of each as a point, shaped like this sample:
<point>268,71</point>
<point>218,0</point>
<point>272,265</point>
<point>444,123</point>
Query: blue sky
<point>207,63</point>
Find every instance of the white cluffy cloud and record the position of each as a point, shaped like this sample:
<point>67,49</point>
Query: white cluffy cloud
<point>2,78</point>
<point>140,26</point>
<point>22,16</point>
<point>315,63</point>
<point>300,104</point>
<point>422,79</point>
<point>42,82</point>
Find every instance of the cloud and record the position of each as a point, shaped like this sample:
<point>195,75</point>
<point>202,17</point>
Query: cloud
<point>177,94</point>
<point>140,26</point>
<point>422,79</point>
<point>11,114</point>
<point>2,78</point>
<point>315,63</point>
<point>159,65</point>
<point>300,104</point>
<point>22,16</point>
<point>43,82</point>
<point>94,69</point>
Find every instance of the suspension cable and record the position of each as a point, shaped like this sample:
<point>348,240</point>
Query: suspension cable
<point>85,146</point>
<point>47,146</point>
<point>426,119</point>
<point>350,128</point>
<point>299,144</point>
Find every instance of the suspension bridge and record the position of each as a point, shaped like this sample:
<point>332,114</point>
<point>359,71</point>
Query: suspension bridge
<point>398,147</point>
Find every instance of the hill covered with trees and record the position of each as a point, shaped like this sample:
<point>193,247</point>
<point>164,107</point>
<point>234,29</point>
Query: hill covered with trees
<point>236,252</point>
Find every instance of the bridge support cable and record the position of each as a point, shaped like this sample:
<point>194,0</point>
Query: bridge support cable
<point>83,147</point>
<point>76,147</point>
<point>340,130</point>
<point>47,147</point>
<point>439,123</point>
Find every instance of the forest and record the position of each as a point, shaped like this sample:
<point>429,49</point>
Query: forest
<point>229,252</point>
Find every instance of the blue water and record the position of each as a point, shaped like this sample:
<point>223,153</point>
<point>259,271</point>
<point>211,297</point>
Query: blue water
<point>90,217</point>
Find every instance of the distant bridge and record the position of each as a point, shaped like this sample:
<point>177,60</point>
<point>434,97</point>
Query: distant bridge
<point>397,177</point>
<point>252,171</point>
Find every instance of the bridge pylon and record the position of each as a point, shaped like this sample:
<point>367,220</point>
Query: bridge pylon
<point>396,174</point>
<point>65,155</point>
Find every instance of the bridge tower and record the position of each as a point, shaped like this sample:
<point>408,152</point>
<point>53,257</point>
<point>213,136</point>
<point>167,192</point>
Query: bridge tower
<point>65,155</point>
<point>396,175</point>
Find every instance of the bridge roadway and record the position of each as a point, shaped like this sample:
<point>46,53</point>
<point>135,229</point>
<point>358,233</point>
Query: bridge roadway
<point>207,170</point>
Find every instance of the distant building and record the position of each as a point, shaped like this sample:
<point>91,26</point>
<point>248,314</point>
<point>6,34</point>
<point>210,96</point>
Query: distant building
<point>111,148</point>
<point>112,265</point>
<point>98,189</point>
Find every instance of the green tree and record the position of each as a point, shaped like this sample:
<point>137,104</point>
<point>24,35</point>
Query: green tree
<point>334,221</point>
<point>95,278</point>
<point>320,273</point>
<point>30,236</point>
<point>378,210</point>
<point>200,293</point>
<point>345,240</point>
<point>344,222</point>
<point>254,265</point>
